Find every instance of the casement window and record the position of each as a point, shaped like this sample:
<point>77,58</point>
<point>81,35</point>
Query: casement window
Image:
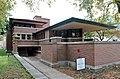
<point>23,36</point>
<point>68,33</point>
<point>28,37</point>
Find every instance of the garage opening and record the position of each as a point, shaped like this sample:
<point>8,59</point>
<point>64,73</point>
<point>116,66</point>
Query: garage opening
<point>28,51</point>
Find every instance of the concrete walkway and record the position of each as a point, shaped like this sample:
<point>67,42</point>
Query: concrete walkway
<point>36,68</point>
<point>33,71</point>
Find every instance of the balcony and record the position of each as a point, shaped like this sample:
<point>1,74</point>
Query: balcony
<point>26,43</point>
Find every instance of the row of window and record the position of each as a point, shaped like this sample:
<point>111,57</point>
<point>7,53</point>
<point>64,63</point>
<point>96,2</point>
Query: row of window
<point>68,33</point>
<point>24,25</point>
<point>23,36</point>
<point>61,33</point>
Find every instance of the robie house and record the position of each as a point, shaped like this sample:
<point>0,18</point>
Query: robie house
<point>62,42</point>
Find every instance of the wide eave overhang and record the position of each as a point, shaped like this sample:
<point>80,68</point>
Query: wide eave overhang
<point>13,20</point>
<point>75,23</point>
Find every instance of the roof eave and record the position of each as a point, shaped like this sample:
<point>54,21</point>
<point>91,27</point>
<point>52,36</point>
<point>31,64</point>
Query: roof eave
<point>72,19</point>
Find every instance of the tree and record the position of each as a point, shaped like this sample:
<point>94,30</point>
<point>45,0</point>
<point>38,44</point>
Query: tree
<point>103,11</point>
<point>106,9</point>
<point>106,34</point>
<point>35,4</point>
<point>5,7</point>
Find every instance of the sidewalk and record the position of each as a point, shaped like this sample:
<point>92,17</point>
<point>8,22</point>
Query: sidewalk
<point>39,70</point>
<point>33,71</point>
<point>51,73</point>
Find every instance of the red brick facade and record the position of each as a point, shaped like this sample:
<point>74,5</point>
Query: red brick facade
<point>61,48</point>
<point>95,53</point>
<point>21,32</point>
<point>81,50</point>
<point>25,30</point>
<point>107,53</point>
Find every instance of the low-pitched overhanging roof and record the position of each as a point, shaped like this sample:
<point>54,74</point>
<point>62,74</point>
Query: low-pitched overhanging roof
<point>12,20</point>
<point>75,23</point>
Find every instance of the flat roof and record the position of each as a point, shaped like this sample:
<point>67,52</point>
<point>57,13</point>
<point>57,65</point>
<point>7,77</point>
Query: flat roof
<point>27,21</point>
<point>76,23</point>
<point>36,21</point>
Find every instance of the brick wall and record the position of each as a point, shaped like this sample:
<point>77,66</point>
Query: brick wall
<point>61,52</point>
<point>106,53</point>
<point>9,40</point>
<point>15,43</point>
<point>25,30</point>
<point>95,53</point>
<point>53,52</point>
<point>39,18</point>
<point>48,52</point>
<point>27,42</point>
<point>81,50</point>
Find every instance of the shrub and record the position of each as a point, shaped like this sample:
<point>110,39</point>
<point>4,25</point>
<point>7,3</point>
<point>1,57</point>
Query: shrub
<point>3,52</point>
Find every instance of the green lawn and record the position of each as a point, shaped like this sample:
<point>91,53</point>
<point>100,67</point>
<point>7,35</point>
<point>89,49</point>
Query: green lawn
<point>11,68</point>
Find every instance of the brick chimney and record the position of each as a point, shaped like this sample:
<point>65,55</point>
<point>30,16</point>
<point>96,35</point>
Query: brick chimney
<point>39,18</point>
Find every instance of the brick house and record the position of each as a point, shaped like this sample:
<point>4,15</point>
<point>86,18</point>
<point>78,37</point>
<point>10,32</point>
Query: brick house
<point>62,42</point>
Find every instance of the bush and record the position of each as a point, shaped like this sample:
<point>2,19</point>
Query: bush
<point>3,52</point>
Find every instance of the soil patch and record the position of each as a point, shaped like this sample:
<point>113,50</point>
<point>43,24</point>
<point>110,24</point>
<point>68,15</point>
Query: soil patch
<point>105,73</point>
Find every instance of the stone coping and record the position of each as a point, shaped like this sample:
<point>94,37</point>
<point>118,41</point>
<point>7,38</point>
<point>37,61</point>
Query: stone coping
<point>87,42</point>
<point>81,42</point>
<point>29,46</point>
<point>26,40</point>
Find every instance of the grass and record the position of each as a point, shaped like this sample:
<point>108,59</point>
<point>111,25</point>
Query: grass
<point>11,68</point>
<point>3,52</point>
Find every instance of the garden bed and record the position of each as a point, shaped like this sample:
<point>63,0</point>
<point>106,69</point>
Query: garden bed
<point>105,73</point>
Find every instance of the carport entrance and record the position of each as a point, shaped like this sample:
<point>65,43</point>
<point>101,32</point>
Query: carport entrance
<point>28,51</point>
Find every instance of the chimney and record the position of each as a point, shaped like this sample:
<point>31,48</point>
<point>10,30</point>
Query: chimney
<point>37,18</point>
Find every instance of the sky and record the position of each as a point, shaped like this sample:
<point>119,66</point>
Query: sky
<point>59,11</point>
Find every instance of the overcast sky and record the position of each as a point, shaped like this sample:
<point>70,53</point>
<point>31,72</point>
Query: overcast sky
<point>59,11</point>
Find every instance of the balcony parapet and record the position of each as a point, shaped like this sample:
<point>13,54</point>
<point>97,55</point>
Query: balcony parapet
<point>26,42</point>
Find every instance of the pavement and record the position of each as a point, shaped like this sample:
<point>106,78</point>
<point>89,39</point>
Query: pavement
<point>39,70</point>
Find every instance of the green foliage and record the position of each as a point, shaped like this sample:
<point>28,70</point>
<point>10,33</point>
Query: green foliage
<point>10,66</point>
<point>5,7</point>
<point>2,52</point>
<point>88,35</point>
<point>102,34</point>
<point>35,4</point>
<point>1,37</point>
<point>103,11</point>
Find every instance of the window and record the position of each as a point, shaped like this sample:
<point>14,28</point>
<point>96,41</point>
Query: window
<point>28,37</point>
<point>16,36</point>
<point>68,33</point>
<point>23,36</point>
<point>75,33</point>
<point>24,25</point>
